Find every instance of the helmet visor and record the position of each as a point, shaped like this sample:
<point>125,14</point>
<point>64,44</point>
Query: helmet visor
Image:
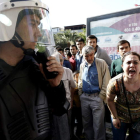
<point>31,25</point>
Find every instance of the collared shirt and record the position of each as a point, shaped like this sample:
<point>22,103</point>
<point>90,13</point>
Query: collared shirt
<point>79,59</point>
<point>90,78</point>
<point>73,63</point>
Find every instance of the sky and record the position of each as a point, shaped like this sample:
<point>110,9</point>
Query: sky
<point>74,12</point>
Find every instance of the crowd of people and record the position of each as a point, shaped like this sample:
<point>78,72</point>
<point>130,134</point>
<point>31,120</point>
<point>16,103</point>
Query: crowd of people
<point>93,69</point>
<point>42,99</point>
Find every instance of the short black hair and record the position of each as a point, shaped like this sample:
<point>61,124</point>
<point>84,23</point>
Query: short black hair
<point>68,53</point>
<point>80,40</point>
<point>76,72</point>
<point>91,37</point>
<point>26,12</point>
<point>67,48</point>
<point>60,49</point>
<point>121,43</point>
<point>74,46</point>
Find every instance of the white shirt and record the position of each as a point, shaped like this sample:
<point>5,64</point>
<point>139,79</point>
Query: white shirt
<point>68,82</point>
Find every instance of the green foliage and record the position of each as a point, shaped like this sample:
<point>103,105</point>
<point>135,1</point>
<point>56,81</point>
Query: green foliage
<point>68,38</point>
<point>83,34</point>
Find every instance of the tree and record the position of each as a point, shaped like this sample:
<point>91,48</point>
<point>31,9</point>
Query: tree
<point>68,38</point>
<point>83,34</point>
<point>60,40</point>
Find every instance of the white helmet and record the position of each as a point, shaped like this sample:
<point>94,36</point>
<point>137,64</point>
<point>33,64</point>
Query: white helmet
<point>12,13</point>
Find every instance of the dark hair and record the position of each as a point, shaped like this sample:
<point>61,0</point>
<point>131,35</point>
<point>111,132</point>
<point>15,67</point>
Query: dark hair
<point>68,53</point>
<point>80,40</point>
<point>130,53</point>
<point>91,37</point>
<point>26,12</point>
<point>122,42</point>
<point>76,72</point>
<point>60,49</point>
<point>66,49</point>
<point>74,46</point>
<point>57,47</point>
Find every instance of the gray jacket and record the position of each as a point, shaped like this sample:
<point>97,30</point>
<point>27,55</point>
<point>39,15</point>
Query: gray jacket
<point>102,54</point>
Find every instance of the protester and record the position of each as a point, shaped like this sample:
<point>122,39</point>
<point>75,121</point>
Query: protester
<point>66,62</point>
<point>69,85</point>
<point>67,54</point>
<point>91,40</point>
<point>66,49</point>
<point>73,51</point>
<point>80,43</point>
<point>26,95</point>
<point>60,50</point>
<point>93,79</point>
<point>123,92</point>
<point>122,47</point>
<point>77,114</point>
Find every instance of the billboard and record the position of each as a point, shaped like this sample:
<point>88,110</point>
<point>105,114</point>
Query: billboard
<point>111,28</point>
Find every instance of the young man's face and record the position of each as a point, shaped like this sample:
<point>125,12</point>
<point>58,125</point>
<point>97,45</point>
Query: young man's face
<point>61,52</point>
<point>89,57</point>
<point>123,49</point>
<point>76,77</point>
<point>80,45</point>
<point>28,30</point>
<point>73,50</point>
<point>92,42</point>
<point>66,55</point>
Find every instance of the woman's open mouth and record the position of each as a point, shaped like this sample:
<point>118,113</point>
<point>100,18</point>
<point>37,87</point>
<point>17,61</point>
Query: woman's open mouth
<point>132,72</point>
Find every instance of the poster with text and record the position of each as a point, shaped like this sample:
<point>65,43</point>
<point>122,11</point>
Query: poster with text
<point>110,31</point>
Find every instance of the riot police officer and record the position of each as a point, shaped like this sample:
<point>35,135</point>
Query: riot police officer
<point>27,98</point>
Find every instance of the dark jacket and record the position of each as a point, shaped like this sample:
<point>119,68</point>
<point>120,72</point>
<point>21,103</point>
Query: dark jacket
<point>26,102</point>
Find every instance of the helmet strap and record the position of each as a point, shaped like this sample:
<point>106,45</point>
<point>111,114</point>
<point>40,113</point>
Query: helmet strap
<point>16,41</point>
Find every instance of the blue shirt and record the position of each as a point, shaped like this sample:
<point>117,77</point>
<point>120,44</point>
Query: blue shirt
<point>79,60</point>
<point>90,79</point>
<point>67,64</point>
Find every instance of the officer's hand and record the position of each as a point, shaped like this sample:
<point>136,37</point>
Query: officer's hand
<point>53,65</point>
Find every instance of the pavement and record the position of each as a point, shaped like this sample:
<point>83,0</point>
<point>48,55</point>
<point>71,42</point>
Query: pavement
<point>109,134</point>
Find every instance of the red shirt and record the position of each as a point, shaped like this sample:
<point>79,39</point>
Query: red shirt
<point>73,63</point>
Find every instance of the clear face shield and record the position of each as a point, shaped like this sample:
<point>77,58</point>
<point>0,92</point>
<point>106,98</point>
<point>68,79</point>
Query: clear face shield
<point>27,24</point>
<point>33,25</point>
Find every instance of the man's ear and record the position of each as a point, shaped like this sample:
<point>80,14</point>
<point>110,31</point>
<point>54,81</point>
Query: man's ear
<point>122,65</point>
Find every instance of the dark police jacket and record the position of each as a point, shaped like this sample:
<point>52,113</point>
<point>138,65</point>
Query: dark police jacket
<point>26,100</point>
